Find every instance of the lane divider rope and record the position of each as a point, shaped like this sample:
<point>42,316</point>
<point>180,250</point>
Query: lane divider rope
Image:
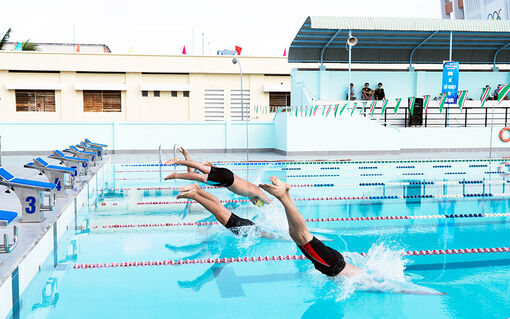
<point>347,198</point>
<point>128,264</point>
<point>333,175</point>
<point>464,182</point>
<point>311,220</point>
<point>344,162</point>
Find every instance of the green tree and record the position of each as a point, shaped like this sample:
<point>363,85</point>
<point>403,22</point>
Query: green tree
<point>28,46</point>
<point>5,38</point>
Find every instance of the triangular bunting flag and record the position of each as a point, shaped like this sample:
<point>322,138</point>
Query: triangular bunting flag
<point>411,104</point>
<point>485,95</point>
<point>385,104</point>
<point>426,100</point>
<point>442,102</point>
<point>462,99</point>
<point>503,91</point>
<point>397,106</point>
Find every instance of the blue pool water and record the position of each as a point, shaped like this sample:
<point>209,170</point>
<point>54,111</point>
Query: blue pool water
<point>475,285</point>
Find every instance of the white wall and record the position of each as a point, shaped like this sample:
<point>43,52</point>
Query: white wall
<point>28,137</point>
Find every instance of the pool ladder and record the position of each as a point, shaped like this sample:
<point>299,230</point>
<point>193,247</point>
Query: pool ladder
<point>7,247</point>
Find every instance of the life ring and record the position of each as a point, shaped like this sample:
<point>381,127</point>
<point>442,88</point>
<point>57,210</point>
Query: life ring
<point>506,140</point>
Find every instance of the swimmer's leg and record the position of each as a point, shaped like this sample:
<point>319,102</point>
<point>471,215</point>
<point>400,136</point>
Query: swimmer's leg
<point>185,153</point>
<point>188,176</point>
<point>322,256</point>
<point>212,205</point>
<point>200,166</point>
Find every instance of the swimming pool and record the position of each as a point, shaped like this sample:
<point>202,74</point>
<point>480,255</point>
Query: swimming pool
<point>137,252</point>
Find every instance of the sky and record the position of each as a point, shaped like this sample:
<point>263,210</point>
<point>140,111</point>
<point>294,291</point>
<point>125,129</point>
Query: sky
<point>261,28</point>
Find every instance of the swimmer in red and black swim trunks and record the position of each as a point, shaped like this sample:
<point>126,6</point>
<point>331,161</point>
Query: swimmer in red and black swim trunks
<point>218,176</point>
<point>325,259</point>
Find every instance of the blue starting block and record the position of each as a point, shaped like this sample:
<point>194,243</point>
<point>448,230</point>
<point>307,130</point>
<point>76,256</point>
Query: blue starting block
<point>78,163</point>
<point>56,174</point>
<point>32,195</point>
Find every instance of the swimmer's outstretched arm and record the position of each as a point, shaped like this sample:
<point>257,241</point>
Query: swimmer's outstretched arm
<point>297,225</point>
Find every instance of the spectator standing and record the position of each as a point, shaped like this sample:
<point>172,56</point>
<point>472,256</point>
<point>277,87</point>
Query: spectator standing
<point>379,92</point>
<point>367,93</point>
<point>350,92</point>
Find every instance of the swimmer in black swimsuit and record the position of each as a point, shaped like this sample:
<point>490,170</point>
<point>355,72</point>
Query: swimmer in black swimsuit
<point>325,259</point>
<point>218,176</point>
<point>213,205</point>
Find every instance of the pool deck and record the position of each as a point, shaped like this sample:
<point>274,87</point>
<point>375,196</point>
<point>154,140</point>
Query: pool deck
<point>29,234</point>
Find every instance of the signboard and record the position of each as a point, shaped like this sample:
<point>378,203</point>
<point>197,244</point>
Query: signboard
<point>450,81</point>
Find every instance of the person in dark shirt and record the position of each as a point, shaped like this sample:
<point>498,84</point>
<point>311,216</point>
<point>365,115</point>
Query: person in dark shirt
<point>379,92</point>
<point>367,93</point>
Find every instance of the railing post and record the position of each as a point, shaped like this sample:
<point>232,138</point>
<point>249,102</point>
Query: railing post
<point>446,117</point>
<point>385,117</point>
<point>485,117</point>
<point>426,115</point>
<point>506,116</point>
<point>405,117</point>
<point>465,117</point>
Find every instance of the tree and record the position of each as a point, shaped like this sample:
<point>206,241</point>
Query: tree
<point>28,46</point>
<point>5,38</point>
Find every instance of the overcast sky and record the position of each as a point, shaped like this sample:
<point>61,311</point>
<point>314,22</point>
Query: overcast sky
<point>261,28</point>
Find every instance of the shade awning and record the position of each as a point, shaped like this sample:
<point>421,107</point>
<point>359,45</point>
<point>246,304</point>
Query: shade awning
<point>165,87</point>
<point>33,86</point>
<point>100,87</point>
<point>401,40</point>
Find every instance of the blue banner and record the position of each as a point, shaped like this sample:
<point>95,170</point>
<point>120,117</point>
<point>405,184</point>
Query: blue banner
<point>450,84</point>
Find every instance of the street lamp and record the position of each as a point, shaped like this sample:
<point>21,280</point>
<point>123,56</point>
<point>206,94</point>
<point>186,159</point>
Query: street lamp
<point>236,61</point>
<point>351,41</point>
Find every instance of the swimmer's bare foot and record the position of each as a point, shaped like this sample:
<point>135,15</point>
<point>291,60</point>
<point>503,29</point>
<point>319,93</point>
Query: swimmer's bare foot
<point>171,176</point>
<point>172,162</point>
<point>187,188</point>
<point>277,189</point>
<point>191,194</point>
<point>184,152</point>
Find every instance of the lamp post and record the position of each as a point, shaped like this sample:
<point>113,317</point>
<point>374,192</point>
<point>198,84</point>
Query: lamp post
<point>351,41</point>
<point>236,61</point>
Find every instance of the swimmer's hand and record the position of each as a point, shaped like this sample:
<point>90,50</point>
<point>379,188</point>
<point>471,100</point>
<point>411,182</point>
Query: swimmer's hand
<point>171,176</point>
<point>278,188</point>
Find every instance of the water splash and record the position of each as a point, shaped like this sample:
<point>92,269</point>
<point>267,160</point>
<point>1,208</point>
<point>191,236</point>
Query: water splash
<point>382,271</point>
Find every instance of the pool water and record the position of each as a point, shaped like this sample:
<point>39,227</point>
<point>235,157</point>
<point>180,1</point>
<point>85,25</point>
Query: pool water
<point>473,285</point>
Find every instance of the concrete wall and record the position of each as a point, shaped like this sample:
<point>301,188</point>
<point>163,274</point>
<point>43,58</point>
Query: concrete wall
<point>197,73</point>
<point>29,137</point>
<point>287,134</point>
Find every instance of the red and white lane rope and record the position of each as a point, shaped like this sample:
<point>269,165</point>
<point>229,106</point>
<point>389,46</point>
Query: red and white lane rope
<point>311,220</point>
<point>127,264</point>
<point>345,198</point>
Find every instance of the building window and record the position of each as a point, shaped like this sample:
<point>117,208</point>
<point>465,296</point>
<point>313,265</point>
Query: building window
<point>101,101</point>
<point>145,93</point>
<point>278,99</point>
<point>174,93</point>
<point>35,101</point>
<point>156,94</point>
<point>185,93</point>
